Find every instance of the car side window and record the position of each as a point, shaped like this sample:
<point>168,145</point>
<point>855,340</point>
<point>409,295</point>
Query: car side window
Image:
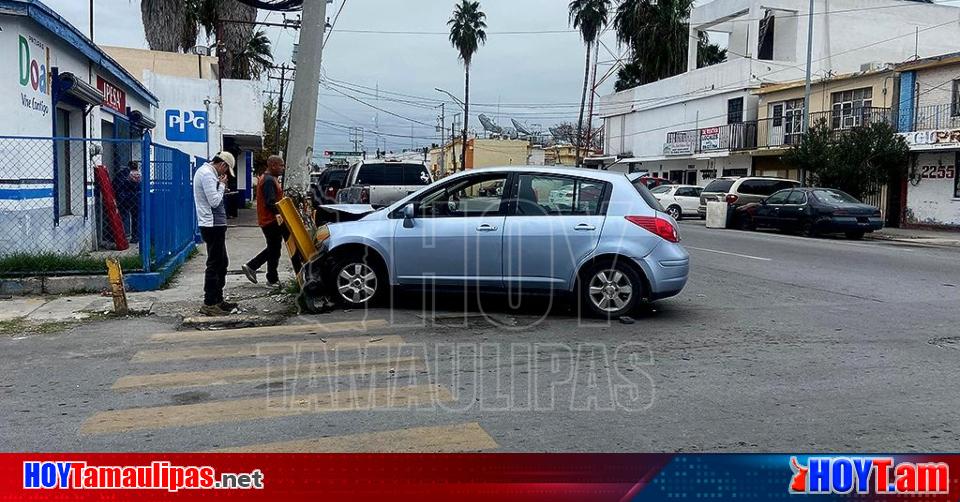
<point>472,196</point>
<point>797,197</point>
<point>543,195</point>
<point>779,197</point>
<point>686,192</point>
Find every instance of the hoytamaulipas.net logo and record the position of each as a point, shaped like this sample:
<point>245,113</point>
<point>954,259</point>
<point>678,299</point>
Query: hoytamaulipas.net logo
<point>159,475</point>
<point>868,475</point>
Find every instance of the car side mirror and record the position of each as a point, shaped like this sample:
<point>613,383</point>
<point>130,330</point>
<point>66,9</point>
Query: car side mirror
<point>763,202</point>
<point>409,212</point>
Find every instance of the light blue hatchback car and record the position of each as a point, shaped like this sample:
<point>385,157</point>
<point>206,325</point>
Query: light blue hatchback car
<point>518,230</point>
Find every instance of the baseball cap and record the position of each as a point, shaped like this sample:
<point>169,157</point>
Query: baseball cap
<point>228,158</point>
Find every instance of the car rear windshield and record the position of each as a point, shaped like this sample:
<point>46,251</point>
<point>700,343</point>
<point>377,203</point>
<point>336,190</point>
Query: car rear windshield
<point>646,195</point>
<point>393,174</point>
<point>719,186</point>
<point>835,197</point>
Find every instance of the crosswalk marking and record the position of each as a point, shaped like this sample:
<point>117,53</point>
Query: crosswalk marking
<point>239,410</point>
<point>262,349</point>
<point>308,329</point>
<point>264,373</point>
<point>439,439</point>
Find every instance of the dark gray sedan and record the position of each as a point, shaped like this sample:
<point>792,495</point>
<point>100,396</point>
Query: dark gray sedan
<point>811,211</point>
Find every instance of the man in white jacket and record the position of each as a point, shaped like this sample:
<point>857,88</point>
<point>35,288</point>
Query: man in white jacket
<point>209,187</point>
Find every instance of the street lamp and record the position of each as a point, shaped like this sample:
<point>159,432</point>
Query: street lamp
<point>454,98</point>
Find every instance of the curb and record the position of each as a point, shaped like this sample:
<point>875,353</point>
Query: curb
<point>915,241</point>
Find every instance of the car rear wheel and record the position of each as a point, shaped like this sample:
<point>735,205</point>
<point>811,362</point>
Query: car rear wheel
<point>358,282</point>
<point>610,290</point>
<point>808,229</point>
<point>675,212</point>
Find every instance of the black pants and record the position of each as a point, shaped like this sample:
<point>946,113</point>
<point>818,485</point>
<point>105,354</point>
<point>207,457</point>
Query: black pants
<point>274,234</point>
<point>215,276</point>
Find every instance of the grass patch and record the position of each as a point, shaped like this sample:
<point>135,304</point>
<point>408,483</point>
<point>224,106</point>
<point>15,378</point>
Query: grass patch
<point>44,263</point>
<point>21,326</point>
<point>292,288</point>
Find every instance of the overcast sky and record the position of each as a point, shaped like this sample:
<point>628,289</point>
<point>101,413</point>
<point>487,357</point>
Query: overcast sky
<point>510,69</point>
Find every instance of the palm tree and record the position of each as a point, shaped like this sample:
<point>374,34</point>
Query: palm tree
<point>164,22</point>
<point>658,33</point>
<point>589,16</point>
<point>173,26</point>
<point>467,33</point>
<point>254,59</point>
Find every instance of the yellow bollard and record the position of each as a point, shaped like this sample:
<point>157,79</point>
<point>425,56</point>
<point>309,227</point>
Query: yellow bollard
<point>119,293</point>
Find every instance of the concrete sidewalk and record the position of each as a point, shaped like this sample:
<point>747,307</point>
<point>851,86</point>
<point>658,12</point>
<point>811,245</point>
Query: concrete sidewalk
<point>917,236</point>
<point>183,296</point>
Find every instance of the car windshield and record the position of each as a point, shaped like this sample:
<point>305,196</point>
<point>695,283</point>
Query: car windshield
<point>835,197</point>
<point>661,189</point>
<point>719,186</point>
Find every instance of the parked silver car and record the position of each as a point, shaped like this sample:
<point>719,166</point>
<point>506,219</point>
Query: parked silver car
<point>608,243</point>
<point>740,191</point>
<point>382,182</point>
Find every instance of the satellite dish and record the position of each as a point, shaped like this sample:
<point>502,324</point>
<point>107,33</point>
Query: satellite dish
<point>489,126</point>
<point>523,131</point>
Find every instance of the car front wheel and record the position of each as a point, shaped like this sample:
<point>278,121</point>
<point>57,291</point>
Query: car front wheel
<point>610,290</point>
<point>358,282</point>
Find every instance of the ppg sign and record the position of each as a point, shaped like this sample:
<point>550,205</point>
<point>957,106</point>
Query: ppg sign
<point>186,125</point>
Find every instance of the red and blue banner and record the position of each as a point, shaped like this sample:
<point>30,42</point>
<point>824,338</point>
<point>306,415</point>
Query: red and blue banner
<point>500,477</point>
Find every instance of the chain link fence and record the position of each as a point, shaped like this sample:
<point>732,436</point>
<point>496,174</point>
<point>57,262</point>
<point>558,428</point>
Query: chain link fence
<point>67,204</point>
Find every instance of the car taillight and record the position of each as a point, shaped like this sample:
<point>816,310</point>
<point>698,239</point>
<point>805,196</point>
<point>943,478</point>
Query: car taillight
<point>331,192</point>
<point>732,198</point>
<point>365,196</point>
<point>656,225</point>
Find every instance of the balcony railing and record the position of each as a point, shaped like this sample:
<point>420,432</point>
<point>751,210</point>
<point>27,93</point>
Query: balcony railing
<point>786,131</point>
<point>931,117</point>
<point>739,136</point>
<point>773,132</point>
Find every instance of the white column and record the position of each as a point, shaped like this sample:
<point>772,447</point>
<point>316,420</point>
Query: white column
<point>692,47</point>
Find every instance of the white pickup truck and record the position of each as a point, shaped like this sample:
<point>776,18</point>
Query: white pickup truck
<point>382,182</point>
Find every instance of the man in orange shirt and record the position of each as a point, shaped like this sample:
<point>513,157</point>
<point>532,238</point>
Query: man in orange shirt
<point>269,191</point>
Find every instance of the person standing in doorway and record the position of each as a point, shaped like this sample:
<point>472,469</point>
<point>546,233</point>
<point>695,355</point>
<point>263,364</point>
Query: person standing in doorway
<point>126,186</point>
<point>269,192</point>
<point>209,187</point>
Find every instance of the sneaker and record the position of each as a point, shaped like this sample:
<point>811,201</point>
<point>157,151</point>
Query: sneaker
<point>213,311</point>
<point>228,306</point>
<point>273,284</point>
<point>250,273</point>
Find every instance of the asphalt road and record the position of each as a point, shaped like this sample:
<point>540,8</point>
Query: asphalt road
<point>779,343</point>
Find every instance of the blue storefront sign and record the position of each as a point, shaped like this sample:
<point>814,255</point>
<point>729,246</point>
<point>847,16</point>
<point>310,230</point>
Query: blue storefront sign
<point>186,125</point>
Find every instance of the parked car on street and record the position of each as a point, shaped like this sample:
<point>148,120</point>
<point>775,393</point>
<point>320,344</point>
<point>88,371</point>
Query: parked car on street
<point>611,245</point>
<point>327,184</point>
<point>678,200</point>
<point>811,211</point>
<point>740,191</point>
<point>382,182</point>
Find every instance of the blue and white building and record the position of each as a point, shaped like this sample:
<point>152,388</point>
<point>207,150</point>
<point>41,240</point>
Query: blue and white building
<point>57,83</point>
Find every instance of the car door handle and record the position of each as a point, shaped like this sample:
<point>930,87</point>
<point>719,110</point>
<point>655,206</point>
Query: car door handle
<point>486,228</point>
<point>584,227</point>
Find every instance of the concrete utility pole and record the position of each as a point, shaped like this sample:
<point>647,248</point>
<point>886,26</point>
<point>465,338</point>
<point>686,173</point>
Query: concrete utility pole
<point>443,139</point>
<point>283,79</point>
<point>306,92</point>
<point>806,92</point>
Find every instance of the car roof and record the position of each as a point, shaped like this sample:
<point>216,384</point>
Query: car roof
<point>567,171</point>
<point>773,178</point>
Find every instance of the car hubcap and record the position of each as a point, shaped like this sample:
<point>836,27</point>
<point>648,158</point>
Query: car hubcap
<point>674,212</point>
<point>610,290</point>
<point>357,283</point>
